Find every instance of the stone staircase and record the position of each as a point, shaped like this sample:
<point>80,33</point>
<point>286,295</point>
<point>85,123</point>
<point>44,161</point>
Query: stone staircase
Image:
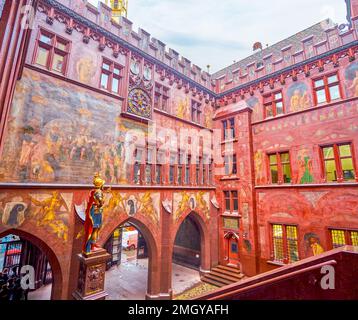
<point>223,275</point>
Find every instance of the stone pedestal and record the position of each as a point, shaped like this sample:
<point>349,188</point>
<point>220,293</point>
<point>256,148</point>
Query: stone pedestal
<point>91,276</point>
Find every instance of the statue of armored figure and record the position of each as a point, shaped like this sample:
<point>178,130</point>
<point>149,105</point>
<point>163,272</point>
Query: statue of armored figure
<point>93,215</point>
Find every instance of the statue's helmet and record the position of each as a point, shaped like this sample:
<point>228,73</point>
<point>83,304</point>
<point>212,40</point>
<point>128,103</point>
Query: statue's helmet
<point>98,182</point>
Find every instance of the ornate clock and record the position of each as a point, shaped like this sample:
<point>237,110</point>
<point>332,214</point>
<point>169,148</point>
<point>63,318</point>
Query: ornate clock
<point>139,103</point>
<point>135,67</point>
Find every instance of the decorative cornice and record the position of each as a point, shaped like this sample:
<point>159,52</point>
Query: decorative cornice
<point>98,29</point>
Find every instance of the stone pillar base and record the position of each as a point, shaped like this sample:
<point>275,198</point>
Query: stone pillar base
<point>92,275</point>
<point>161,296</point>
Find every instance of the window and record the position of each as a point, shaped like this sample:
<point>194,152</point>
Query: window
<point>229,129</point>
<point>161,97</point>
<point>341,238</point>
<point>196,112</point>
<point>284,243</point>
<point>197,171</point>
<point>136,168</point>
<point>111,76</point>
<point>230,164</point>
<point>149,166</point>
<point>273,105</point>
<point>187,170</point>
<point>159,167</point>
<point>52,52</point>
<point>231,201</point>
<point>280,167</point>
<point>338,163</point>
<point>211,177</point>
<point>173,160</point>
<point>326,89</point>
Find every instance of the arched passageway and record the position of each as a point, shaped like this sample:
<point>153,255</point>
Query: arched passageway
<point>190,253</point>
<point>20,250</point>
<point>130,271</point>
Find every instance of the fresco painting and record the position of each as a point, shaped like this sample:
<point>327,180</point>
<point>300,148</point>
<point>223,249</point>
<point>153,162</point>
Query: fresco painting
<point>147,204</point>
<point>313,244</point>
<point>254,104</point>
<point>305,168</point>
<point>351,76</point>
<point>184,201</point>
<point>58,133</point>
<point>299,98</point>
<point>49,210</point>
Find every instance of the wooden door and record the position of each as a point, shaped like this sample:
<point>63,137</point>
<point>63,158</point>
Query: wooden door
<point>233,248</point>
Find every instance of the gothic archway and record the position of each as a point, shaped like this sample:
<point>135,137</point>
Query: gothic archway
<point>151,253</point>
<point>57,278</point>
<point>191,251</point>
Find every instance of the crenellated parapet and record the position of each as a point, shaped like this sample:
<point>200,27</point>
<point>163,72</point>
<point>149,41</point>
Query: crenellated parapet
<point>96,24</point>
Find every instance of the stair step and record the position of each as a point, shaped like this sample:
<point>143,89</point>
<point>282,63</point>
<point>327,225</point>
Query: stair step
<point>232,278</point>
<point>227,268</point>
<point>219,279</point>
<point>212,282</point>
<point>228,273</point>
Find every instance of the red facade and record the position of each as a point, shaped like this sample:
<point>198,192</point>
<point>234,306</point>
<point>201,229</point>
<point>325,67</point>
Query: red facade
<point>81,94</point>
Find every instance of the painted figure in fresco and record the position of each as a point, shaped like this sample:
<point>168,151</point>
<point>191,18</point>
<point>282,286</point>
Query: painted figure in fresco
<point>305,167</point>
<point>131,206</point>
<point>85,69</point>
<point>183,109</point>
<point>254,104</point>
<point>300,99</point>
<point>259,167</point>
<point>49,210</point>
<point>354,85</point>
<point>208,117</point>
<point>14,214</point>
<point>313,244</point>
<point>94,212</point>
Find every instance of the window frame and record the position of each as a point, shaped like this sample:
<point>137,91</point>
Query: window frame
<point>347,236</point>
<point>162,93</point>
<point>273,102</point>
<point>280,178</point>
<point>232,164</point>
<point>196,109</point>
<point>231,199</point>
<point>228,126</point>
<point>52,50</point>
<point>285,246</point>
<point>111,75</point>
<point>338,164</point>
<point>326,87</point>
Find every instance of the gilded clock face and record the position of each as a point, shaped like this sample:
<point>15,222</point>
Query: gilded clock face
<point>139,103</point>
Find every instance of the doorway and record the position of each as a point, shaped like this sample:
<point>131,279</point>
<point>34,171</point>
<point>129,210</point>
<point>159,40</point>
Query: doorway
<point>127,271</point>
<point>16,252</point>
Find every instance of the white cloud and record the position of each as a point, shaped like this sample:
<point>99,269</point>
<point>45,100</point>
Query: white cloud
<point>219,32</point>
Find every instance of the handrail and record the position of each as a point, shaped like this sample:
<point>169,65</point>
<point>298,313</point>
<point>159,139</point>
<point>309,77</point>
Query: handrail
<point>286,276</point>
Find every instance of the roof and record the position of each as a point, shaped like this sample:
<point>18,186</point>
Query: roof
<point>317,31</point>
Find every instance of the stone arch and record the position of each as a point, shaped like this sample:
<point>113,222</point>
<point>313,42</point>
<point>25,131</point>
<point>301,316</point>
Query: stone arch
<point>203,224</point>
<point>57,280</point>
<point>153,281</point>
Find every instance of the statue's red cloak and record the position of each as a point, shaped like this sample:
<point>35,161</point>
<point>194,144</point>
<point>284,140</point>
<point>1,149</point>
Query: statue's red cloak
<point>88,224</point>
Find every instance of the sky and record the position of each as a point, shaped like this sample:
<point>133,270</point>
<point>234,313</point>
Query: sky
<point>219,32</point>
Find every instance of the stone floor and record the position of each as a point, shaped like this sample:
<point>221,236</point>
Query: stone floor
<point>128,281</point>
<point>44,293</point>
